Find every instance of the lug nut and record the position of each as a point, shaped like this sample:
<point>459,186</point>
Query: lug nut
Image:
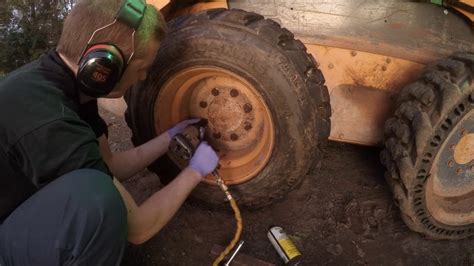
<point>215,92</point>
<point>248,126</point>
<point>216,135</point>
<point>451,163</point>
<point>248,108</point>
<point>234,137</point>
<point>234,93</point>
<point>203,104</point>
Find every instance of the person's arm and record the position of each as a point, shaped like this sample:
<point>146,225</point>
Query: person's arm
<point>146,220</point>
<point>127,163</point>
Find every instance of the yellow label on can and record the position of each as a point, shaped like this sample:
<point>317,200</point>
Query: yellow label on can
<point>289,248</point>
<point>283,245</point>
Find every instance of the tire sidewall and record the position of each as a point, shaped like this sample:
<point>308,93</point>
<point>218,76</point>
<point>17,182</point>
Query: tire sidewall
<point>272,74</point>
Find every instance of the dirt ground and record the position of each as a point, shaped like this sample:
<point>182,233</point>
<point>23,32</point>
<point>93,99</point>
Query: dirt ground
<point>342,214</point>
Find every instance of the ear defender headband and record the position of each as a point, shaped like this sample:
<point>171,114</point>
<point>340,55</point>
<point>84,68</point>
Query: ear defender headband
<point>101,65</point>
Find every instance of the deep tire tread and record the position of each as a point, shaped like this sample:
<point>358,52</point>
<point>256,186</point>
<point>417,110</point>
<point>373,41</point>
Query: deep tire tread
<point>426,111</point>
<point>315,102</point>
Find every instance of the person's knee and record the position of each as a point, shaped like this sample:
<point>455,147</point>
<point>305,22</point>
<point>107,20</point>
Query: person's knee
<point>81,215</point>
<point>97,199</point>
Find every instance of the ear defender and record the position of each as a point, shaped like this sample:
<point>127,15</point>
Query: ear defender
<point>100,69</point>
<point>101,65</point>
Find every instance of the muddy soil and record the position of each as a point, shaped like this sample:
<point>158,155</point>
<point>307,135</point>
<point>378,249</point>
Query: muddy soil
<point>342,214</point>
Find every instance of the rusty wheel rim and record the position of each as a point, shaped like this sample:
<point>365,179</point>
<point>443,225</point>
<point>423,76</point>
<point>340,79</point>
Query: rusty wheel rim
<point>240,125</point>
<point>450,189</point>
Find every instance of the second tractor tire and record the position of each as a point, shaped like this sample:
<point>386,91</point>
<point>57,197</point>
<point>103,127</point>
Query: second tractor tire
<point>432,125</point>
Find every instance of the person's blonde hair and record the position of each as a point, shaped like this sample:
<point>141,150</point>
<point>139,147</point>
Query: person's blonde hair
<point>90,15</point>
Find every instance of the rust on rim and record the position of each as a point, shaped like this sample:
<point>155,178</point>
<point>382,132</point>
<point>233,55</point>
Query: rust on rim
<point>449,190</point>
<point>239,126</point>
<point>464,151</point>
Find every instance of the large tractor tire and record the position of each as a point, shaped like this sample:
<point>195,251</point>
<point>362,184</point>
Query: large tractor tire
<point>263,97</point>
<point>429,150</point>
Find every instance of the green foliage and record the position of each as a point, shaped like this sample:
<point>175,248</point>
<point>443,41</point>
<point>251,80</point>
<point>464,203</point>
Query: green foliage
<point>28,28</point>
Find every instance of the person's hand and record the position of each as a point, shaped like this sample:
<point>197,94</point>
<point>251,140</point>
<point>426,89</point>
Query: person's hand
<point>204,160</point>
<point>179,128</point>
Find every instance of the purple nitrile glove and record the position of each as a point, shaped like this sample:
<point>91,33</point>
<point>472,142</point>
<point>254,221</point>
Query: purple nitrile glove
<point>179,128</point>
<point>204,160</point>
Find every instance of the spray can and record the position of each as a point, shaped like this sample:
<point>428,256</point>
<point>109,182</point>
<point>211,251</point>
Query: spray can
<point>284,246</point>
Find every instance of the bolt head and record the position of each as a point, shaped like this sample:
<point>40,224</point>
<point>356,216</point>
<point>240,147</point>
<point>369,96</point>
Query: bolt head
<point>331,66</point>
<point>234,137</point>
<point>248,108</point>
<point>248,126</point>
<point>234,93</point>
<point>451,163</point>
<point>215,92</point>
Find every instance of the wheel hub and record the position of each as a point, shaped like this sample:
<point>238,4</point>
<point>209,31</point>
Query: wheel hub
<point>464,150</point>
<point>239,126</point>
<point>450,190</point>
<point>230,114</point>
<point>224,115</point>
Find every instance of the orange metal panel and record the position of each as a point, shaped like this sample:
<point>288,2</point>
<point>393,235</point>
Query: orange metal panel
<point>164,6</point>
<point>159,4</point>
<point>362,87</point>
<point>202,6</point>
<point>467,14</point>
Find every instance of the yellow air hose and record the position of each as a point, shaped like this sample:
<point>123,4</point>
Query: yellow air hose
<point>238,218</point>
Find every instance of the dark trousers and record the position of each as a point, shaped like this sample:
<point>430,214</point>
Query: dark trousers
<point>78,219</point>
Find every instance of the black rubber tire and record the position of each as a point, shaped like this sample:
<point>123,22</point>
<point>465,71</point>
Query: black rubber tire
<point>270,59</point>
<point>427,111</point>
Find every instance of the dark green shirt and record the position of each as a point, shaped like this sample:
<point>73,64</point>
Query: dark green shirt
<point>44,130</point>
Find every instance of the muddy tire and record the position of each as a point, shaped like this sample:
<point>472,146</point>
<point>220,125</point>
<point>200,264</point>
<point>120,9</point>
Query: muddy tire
<point>429,167</point>
<point>269,69</point>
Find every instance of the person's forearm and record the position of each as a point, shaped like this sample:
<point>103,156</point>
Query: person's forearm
<point>127,163</point>
<point>149,218</point>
